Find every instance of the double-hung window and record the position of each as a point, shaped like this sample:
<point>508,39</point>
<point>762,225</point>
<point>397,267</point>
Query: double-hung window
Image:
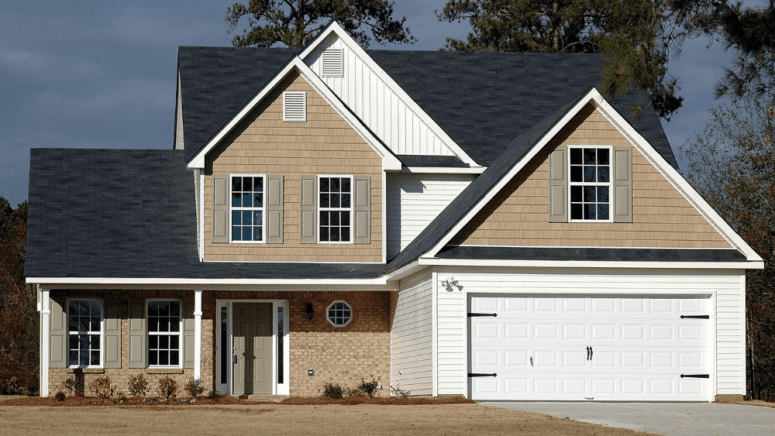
<point>247,208</point>
<point>164,322</point>
<point>335,209</point>
<point>84,333</point>
<point>590,183</point>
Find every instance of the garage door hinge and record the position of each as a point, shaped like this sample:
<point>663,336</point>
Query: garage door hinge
<point>481,314</point>
<point>695,375</point>
<point>696,316</point>
<point>475,374</point>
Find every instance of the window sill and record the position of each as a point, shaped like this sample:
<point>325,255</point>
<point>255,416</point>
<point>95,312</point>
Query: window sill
<point>164,371</point>
<point>85,370</point>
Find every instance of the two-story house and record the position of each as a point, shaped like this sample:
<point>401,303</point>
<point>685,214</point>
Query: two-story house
<point>476,224</point>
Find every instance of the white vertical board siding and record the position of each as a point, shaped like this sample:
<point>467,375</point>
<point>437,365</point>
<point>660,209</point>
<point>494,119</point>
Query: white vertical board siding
<point>376,105</point>
<point>725,288</point>
<point>414,200</point>
<point>411,336</point>
<point>197,187</point>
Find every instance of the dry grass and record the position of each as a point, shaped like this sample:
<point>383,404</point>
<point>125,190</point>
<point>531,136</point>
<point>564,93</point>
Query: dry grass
<point>252,418</point>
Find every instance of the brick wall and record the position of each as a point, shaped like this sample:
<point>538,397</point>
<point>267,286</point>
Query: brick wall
<point>343,355</point>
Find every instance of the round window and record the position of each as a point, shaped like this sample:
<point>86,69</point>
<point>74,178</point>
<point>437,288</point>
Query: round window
<point>339,313</point>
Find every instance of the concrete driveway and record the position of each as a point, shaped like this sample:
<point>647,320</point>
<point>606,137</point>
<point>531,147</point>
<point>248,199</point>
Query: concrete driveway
<point>688,419</point>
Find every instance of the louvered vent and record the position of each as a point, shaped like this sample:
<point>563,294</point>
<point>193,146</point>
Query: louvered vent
<point>333,65</point>
<point>295,106</point>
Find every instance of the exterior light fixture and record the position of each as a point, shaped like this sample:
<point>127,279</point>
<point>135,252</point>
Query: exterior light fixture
<point>310,311</point>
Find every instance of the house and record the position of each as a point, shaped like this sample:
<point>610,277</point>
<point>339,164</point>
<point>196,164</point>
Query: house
<point>476,224</point>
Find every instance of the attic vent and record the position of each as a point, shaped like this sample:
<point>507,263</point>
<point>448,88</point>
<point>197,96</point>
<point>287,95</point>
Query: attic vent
<point>295,107</point>
<point>333,65</point>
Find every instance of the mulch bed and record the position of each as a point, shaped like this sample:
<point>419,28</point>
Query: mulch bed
<point>229,400</point>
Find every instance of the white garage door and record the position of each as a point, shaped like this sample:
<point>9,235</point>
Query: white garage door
<point>584,348</point>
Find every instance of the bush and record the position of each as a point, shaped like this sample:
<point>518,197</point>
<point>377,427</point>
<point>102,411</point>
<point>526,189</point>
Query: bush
<point>194,387</point>
<point>138,385</point>
<point>60,396</point>
<point>368,388</point>
<point>102,388</point>
<point>73,387</point>
<point>332,390</point>
<point>213,395</point>
<point>398,392</point>
<point>167,388</point>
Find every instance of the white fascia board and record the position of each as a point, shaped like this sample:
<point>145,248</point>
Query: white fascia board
<point>510,175</point>
<point>404,271</point>
<point>389,161</point>
<point>200,283</point>
<point>591,264</point>
<point>335,28</point>
<point>443,170</point>
<point>674,177</point>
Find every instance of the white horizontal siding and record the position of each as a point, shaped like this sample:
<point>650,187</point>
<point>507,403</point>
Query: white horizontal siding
<point>402,130</point>
<point>414,200</point>
<point>726,286</point>
<point>411,347</point>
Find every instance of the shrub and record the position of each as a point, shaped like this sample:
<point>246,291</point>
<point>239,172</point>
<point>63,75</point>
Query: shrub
<point>138,385</point>
<point>368,388</point>
<point>398,392</point>
<point>73,387</point>
<point>213,394</point>
<point>60,396</point>
<point>194,387</point>
<point>102,388</point>
<point>167,388</point>
<point>332,390</point>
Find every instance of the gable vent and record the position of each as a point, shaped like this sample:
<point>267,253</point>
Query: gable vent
<point>333,63</point>
<point>295,106</point>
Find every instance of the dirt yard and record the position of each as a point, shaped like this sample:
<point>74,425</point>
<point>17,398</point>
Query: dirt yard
<point>335,419</point>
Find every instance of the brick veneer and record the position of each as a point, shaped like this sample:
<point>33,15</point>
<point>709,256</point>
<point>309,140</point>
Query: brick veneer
<point>345,355</point>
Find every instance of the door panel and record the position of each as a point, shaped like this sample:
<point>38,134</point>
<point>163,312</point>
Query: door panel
<point>253,347</point>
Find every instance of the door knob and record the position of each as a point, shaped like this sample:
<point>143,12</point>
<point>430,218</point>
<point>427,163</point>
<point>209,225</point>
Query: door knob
<point>531,360</point>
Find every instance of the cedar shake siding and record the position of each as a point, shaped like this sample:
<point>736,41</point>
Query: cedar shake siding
<point>324,144</point>
<point>518,215</point>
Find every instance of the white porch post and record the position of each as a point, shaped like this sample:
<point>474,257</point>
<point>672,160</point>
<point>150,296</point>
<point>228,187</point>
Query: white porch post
<point>45,333</point>
<point>198,334</point>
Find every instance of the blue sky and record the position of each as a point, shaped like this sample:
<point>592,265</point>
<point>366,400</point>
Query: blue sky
<point>101,74</point>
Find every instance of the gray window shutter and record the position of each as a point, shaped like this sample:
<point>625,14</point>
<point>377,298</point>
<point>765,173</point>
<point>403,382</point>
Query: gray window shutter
<point>558,186</point>
<point>622,184</point>
<point>362,210</point>
<point>58,334</point>
<point>112,334</point>
<point>188,334</point>
<point>309,214</point>
<point>274,209</point>
<point>137,334</point>
<point>220,209</point>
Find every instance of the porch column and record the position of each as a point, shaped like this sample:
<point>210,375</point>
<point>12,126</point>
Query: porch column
<point>198,334</point>
<point>45,333</point>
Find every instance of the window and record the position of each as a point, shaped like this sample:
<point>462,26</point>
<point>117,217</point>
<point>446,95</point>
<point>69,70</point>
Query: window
<point>295,106</point>
<point>339,313</point>
<point>335,209</point>
<point>247,208</point>
<point>163,333</point>
<point>590,183</point>
<point>84,333</point>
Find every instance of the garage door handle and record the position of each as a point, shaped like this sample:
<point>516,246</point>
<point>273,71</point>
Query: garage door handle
<point>481,314</point>
<point>695,375</point>
<point>695,316</point>
<point>476,374</point>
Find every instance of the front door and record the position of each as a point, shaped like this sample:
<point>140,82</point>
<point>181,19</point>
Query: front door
<point>252,329</point>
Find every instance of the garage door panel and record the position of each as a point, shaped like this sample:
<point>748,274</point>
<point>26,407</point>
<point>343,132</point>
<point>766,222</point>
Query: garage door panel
<point>574,359</point>
<point>575,331</point>
<point>546,331</point>
<point>517,330</point>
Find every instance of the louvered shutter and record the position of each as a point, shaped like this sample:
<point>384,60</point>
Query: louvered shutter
<point>362,210</point>
<point>295,106</point>
<point>309,202</point>
<point>188,334</point>
<point>558,186</point>
<point>622,184</point>
<point>137,333</point>
<point>58,334</point>
<point>274,209</point>
<point>112,334</point>
<point>220,209</point>
<point>333,64</point>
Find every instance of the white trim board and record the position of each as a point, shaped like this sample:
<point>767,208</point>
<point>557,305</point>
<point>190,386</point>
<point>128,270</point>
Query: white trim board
<point>594,97</point>
<point>389,161</point>
<point>346,39</point>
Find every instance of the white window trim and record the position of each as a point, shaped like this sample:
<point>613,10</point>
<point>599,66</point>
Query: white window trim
<point>351,208</point>
<point>285,114</point>
<point>181,345</point>
<point>277,388</point>
<point>102,332</point>
<point>352,313</point>
<point>263,210</point>
<point>610,183</point>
